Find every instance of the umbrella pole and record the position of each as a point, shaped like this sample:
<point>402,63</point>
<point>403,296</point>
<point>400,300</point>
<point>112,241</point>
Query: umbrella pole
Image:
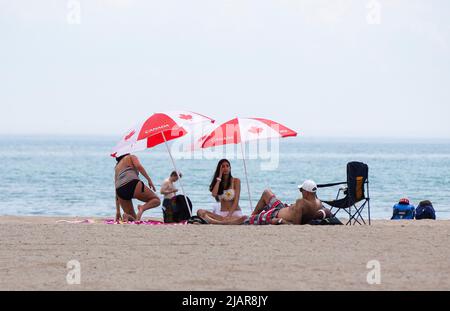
<point>176,170</point>
<point>246,178</point>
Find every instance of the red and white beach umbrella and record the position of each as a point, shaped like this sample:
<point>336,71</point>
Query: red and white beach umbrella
<point>159,128</point>
<point>156,129</point>
<point>241,130</point>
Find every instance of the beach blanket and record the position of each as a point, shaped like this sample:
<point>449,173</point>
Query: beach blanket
<point>143,222</point>
<point>113,222</point>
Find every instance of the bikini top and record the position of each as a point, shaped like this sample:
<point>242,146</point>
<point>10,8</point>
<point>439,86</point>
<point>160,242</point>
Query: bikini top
<point>229,194</point>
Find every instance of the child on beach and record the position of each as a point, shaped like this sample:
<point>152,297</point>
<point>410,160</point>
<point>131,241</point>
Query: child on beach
<point>168,189</point>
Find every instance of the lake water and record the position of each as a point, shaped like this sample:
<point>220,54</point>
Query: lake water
<point>73,176</point>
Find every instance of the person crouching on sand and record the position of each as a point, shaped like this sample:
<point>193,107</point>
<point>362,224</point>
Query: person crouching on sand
<point>270,210</point>
<point>129,186</point>
<point>226,190</point>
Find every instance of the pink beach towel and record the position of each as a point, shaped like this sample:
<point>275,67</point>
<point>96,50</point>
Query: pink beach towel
<point>143,222</point>
<point>113,222</point>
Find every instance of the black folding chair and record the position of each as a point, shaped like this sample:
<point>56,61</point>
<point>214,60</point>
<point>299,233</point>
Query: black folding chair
<point>355,199</point>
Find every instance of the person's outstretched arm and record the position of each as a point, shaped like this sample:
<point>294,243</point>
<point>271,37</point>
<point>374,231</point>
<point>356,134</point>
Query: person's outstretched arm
<point>118,215</point>
<point>137,164</point>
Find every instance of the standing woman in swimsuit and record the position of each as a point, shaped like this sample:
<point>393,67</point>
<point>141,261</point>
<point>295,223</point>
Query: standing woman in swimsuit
<point>129,186</point>
<point>226,190</point>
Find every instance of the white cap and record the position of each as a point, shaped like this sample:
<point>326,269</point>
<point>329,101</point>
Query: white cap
<point>308,186</point>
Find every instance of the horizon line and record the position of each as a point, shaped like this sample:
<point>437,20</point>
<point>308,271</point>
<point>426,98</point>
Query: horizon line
<point>370,137</point>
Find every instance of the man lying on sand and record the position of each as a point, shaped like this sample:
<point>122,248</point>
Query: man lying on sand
<point>270,210</point>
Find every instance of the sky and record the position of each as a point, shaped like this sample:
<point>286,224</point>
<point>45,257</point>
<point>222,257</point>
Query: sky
<point>331,68</point>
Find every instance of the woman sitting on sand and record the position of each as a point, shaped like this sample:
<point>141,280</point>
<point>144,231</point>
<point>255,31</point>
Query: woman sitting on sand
<point>226,189</point>
<point>129,186</point>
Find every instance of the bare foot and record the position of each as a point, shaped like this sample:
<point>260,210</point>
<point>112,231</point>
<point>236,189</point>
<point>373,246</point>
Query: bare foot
<point>140,212</point>
<point>232,220</point>
<point>214,221</point>
<point>127,217</point>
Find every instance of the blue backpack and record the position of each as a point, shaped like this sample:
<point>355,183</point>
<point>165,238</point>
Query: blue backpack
<point>425,210</point>
<point>403,211</point>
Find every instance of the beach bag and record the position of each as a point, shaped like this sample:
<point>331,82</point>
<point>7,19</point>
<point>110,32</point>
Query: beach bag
<point>403,210</point>
<point>177,210</point>
<point>425,210</point>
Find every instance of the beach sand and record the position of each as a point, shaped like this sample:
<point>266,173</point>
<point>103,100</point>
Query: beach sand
<point>34,251</point>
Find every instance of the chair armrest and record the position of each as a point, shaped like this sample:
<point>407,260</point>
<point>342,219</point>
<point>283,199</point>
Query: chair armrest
<point>331,185</point>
